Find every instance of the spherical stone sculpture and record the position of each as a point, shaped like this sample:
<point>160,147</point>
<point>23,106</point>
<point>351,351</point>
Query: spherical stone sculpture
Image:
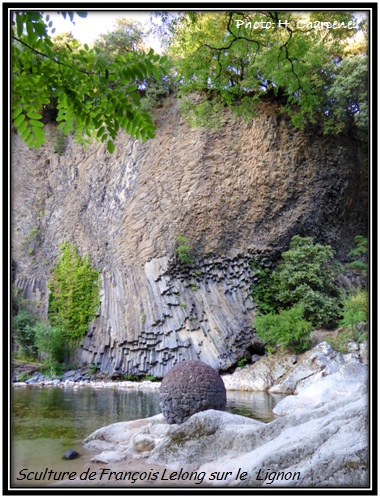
<point>190,387</point>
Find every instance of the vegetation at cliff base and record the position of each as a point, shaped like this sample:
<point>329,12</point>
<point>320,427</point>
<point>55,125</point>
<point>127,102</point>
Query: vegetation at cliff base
<point>73,300</point>
<point>355,314</point>
<point>288,328</point>
<point>301,293</point>
<point>360,253</point>
<point>304,277</point>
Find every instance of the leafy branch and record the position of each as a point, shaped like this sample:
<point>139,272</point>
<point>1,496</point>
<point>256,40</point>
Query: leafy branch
<point>95,97</point>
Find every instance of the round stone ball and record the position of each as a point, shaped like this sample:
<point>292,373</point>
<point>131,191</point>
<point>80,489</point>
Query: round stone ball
<point>190,387</point>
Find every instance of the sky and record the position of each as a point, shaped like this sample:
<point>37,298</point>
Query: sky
<point>97,22</point>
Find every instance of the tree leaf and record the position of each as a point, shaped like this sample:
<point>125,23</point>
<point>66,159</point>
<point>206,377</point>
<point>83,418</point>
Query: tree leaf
<point>22,127</point>
<point>16,112</point>
<point>20,24</point>
<point>33,16</point>
<point>24,135</point>
<point>110,146</point>
<point>36,124</point>
<point>19,120</point>
<point>34,115</point>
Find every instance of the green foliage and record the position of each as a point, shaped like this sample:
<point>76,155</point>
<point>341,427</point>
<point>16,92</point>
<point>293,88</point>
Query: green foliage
<point>354,324</point>
<point>286,329</point>
<point>156,91</point>
<point>23,376</point>
<point>131,377</point>
<point>59,143</point>
<point>24,333</point>
<point>360,252</point>
<point>262,294</point>
<point>95,98</point>
<point>93,369</point>
<point>348,95</point>
<point>127,35</point>
<point>242,363</point>
<point>52,370</point>
<point>306,277</point>
<point>355,312</point>
<point>194,286</point>
<point>32,336</point>
<point>64,42</point>
<point>52,344</point>
<point>341,341</point>
<point>74,293</point>
<point>151,378</point>
<point>236,59</point>
<point>183,251</point>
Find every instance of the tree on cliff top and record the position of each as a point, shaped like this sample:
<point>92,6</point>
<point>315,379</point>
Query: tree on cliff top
<point>127,36</point>
<point>315,71</point>
<point>95,96</point>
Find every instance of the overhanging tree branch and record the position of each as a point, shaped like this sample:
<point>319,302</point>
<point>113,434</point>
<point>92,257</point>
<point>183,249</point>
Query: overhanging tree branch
<point>51,58</point>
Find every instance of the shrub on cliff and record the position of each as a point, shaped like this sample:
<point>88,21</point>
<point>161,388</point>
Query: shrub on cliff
<point>74,293</point>
<point>355,314</point>
<point>306,277</point>
<point>183,251</point>
<point>360,253</point>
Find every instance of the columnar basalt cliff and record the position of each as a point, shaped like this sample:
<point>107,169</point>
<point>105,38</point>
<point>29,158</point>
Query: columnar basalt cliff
<point>235,193</point>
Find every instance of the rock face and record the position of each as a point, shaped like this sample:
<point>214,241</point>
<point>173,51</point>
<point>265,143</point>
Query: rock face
<point>157,314</point>
<point>284,373</point>
<point>191,387</point>
<point>321,441</point>
<point>236,193</point>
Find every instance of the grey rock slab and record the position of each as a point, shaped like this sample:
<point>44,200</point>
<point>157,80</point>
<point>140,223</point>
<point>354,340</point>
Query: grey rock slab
<point>120,433</point>
<point>260,376</point>
<point>321,360</point>
<point>350,379</point>
<point>109,457</point>
<point>323,448</point>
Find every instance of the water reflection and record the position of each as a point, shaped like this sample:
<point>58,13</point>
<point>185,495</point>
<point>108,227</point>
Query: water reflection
<point>56,412</point>
<point>46,422</point>
<point>257,405</point>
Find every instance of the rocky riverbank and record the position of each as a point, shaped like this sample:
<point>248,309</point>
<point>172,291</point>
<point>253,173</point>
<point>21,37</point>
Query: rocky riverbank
<point>278,373</point>
<point>319,438</point>
<point>44,382</point>
<point>290,373</point>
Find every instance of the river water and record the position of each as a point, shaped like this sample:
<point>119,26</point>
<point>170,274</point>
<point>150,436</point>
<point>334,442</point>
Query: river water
<point>46,422</point>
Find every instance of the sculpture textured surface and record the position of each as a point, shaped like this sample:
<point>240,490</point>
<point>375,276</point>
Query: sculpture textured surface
<point>190,387</point>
